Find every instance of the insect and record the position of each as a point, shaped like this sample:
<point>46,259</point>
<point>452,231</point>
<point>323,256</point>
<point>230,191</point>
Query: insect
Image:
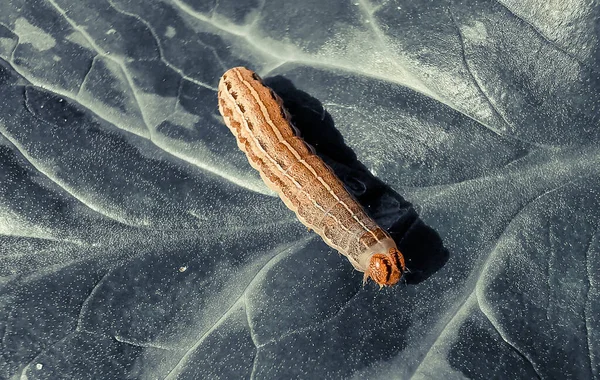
<point>288,165</point>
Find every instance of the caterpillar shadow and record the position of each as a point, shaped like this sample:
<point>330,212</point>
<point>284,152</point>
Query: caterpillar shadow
<point>421,246</point>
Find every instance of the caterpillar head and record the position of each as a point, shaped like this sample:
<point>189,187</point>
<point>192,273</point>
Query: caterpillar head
<point>385,269</point>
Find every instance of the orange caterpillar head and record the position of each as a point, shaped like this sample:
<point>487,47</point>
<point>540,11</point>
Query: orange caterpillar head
<point>385,268</point>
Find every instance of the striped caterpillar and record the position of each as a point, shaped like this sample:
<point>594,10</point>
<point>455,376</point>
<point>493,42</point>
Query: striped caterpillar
<point>289,166</point>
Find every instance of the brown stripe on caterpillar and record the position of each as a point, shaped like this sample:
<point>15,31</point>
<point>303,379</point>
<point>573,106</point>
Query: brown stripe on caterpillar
<point>263,128</point>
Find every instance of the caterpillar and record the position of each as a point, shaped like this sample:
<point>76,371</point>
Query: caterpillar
<point>255,114</point>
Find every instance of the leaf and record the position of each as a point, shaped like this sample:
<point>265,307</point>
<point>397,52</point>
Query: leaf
<point>137,242</point>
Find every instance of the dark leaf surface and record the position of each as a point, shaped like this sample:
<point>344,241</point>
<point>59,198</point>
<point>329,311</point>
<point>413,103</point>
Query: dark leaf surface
<point>136,242</point>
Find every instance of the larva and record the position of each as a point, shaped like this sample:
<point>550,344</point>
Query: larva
<point>263,129</point>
